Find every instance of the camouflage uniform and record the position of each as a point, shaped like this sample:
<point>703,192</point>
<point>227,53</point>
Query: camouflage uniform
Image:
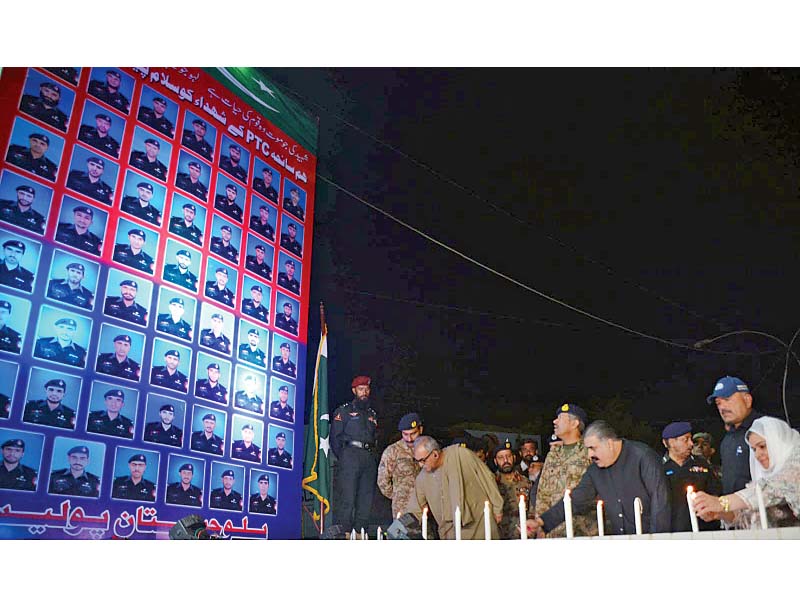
<point>564,467</point>
<point>511,485</point>
<point>397,473</point>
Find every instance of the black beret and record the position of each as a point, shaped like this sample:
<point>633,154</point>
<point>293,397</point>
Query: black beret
<point>409,421</point>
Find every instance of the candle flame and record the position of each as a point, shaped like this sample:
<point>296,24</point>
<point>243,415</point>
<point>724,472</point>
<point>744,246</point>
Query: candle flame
<point>689,489</point>
<point>600,503</point>
<point>425,510</point>
<point>522,497</point>
<point>486,504</point>
<point>567,492</point>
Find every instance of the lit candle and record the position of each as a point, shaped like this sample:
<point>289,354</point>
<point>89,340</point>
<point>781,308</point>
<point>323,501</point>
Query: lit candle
<point>637,514</point>
<point>399,515</point>
<point>762,508</point>
<point>487,526</point>
<point>353,534</point>
<point>380,536</point>
<point>568,513</point>
<point>425,523</point>
<point>523,526</point>
<point>457,520</point>
<point>363,535</point>
<point>692,515</point>
<point>601,524</point>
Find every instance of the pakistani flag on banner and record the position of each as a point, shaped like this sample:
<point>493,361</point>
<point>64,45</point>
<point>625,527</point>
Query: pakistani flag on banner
<point>316,463</point>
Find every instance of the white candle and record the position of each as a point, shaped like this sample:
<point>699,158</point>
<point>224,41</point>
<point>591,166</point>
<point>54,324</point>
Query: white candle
<point>690,502</point>
<point>762,509</point>
<point>487,526</point>
<point>399,515</point>
<point>425,523</point>
<point>568,513</point>
<point>363,535</point>
<point>380,537</point>
<point>601,524</point>
<point>353,534</point>
<point>637,514</point>
<point>457,522</point>
<point>523,526</point>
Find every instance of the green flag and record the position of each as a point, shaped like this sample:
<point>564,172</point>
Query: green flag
<point>316,463</point>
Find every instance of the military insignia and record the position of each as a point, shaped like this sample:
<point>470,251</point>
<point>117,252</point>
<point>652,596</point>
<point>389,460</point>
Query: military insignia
<point>564,407</point>
<point>413,424</point>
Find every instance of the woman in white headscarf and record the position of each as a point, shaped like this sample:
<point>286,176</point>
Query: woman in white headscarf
<point>775,466</point>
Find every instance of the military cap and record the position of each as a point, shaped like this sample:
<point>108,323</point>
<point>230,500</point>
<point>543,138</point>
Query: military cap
<point>702,435</point>
<point>234,147</point>
<point>84,209</point>
<point>183,253</point>
<point>727,387</point>
<point>78,450</point>
<point>292,225</point>
<point>209,417</point>
<point>103,116</point>
<point>5,304</point>
<point>230,186</point>
<point>264,206</point>
<point>115,393</point>
<point>260,247</point>
<point>39,136</point>
<point>358,379</point>
<point>407,421</point>
<point>213,366</point>
<point>113,72</point>
<point>76,266</point>
<point>194,163</point>
<point>221,270</point>
<point>289,304</point>
<point>257,287</point>
<point>283,388</point>
<point>139,232</point>
<point>226,228</point>
<point>263,477</point>
<point>217,316</point>
<point>459,441</point>
<point>187,467</point>
<point>280,435</point>
<point>14,443</point>
<point>137,458</point>
<point>153,141</point>
<point>574,410</point>
<point>504,446</point>
<point>51,85</point>
<point>253,331</point>
<point>167,407</point>
<point>129,282</point>
<point>96,160</point>
<point>190,206</point>
<point>14,244</point>
<point>174,353</point>
<point>247,426</point>
<point>159,99</point>
<point>26,188</point>
<point>289,262</point>
<point>67,321</point>
<point>535,459</point>
<point>677,429</point>
<point>228,473</point>
<point>145,185</point>
<point>59,383</point>
<point>199,122</point>
<point>176,301</point>
<point>286,345</point>
<point>123,338</point>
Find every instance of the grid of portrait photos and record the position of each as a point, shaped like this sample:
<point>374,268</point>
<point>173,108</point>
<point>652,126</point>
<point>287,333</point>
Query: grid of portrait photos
<point>153,297</point>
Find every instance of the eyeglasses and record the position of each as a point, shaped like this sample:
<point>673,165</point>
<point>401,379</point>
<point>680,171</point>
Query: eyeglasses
<point>421,461</point>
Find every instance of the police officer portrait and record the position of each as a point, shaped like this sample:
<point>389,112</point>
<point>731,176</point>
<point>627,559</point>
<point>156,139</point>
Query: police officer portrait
<point>135,474</point>
<point>135,246</point>
<point>175,314</point>
<point>35,150</point>
<point>19,262</point>
<point>68,74</point>
<point>92,175</point>
<point>253,344</point>
<point>226,239</point>
<point>294,200</point>
<point>251,389</point>
<point>193,176</point>
<point>289,273</point>
<point>79,225</point>
<point>101,129</point>
<point>229,198</point>
<point>112,410</point>
<point>52,398</point>
<point>263,220</point>
<point>289,313</point>
<point>284,353</point>
<point>208,430</point>
<point>247,439</point>
<point>62,337</point>
<point>164,421</point>
<point>216,329</point>
<point>170,365</point>
<point>119,352</point>
<point>111,86</point>
<point>127,298</point>
<point>14,319</point>
<point>222,288</point>
<point>234,159</point>
<point>187,219</point>
<point>180,265</point>
<point>46,100</point>
<point>22,459</point>
<point>281,441</point>
<point>23,202</point>
<point>72,281</point>
<point>198,135</point>
<point>267,180</point>
<point>185,477</point>
<point>212,378</point>
<point>8,383</point>
<point>229,482</point>
<point>157,112</point>
<point>253,302</point>
<point>259,258</point>
<point>282,395</point>
<point>150,154</point>
<point>263,493</point>
<point>76,468</point>
<point>292,237</point>
<point>143,198</point>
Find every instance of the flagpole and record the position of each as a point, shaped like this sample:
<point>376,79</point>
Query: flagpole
<point>322,327</point>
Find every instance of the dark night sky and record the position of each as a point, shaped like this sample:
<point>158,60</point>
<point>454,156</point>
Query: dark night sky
<point>661,199</point>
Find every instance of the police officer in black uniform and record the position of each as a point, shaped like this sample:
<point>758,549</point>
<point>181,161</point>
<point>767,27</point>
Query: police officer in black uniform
<point>75,480</point>
<point>45,107</point>
<point>263,185</point>
<point>218,290</point>
<point>206,440</point>
<point>250,351</point>
<point>11,273</point>
<point>148,161</point>
<point>195,139</point>
<point>280,409</point>
<point>245,449</point>
<point>141,207</point>
<point>33,159</point>
<point>285,321</point>
<point>173,322</point>
<point>353,442</point>
<point>169,376</point>
<point>118,363</point>
<point>185,227</point>
<point>288,241</point>
<point>231,164</point>
<point>247,398</point>
<point>280,457</point>
<point>213,337</point>
<point>287,279</point>
<point>90,182</point>
<point>257,265</point>
<point>222,245</point>
<point>262,502</point>
<point>260,224</point>
<point>20,212</point>
<point>191,182</point>
<point>134,486</point>
<point>70,289</point>
<point>51,412</point>
<point>97,136</point>
<point>183,492</point>
<point>179,273</point>
<point>154,117</point>
<point>292,205</point>
<point>125,306</point>
<point>109,93</point>
<point>163,431</point>
<point>132,255</point>
<point>252,306</point>
<point>226,498</point>
<point>111,421</point>
<point>13,474</point>
<point>61,347</point>
<point>10,339</point>
<point>77,234</point>
<point>210,388</point>
<point>227,204</point>
<point>282,364</point>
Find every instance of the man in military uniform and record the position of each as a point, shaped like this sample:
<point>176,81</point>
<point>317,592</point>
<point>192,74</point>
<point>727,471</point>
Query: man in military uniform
<point>51,411</point>
<point>13,474</point>
<point>135,486</point>
<point>148,161</point>
<point>222,245</point>
<point>227,204</point>
<point>289,242</point>
<point>282,364</point>
<point>118,363</point>
<point>169,376</point>
<point>21,213</point>
<point>206,440</point>
<point>218,290</point>
<point>132,255</point>
<point>250,351</point>
<point>90,182</point>
<point>109,93</point>
<point>68,74</point>
<point>154,117</point>
<point>279,456</point>
<point>260,224</point>
<point>98,137</point>
<point>704,448</point>
<point>173,322</point>
<point>179,273</point>
<point>247,398</point>
<point>398,470</point>
<point>195,139</point>
<point>61,348</point>
<point>214,338</point>
<point>352,438</point>
<point>141,207</point>
<point>33,159</point>
<point>257,265</point>
<point>287,279</point>
<point>191,182</point>
<point>292,204</point>
<point>252,306</point>
<point>285,321</point>
<point>263,185</point>
<point>45,107</point>
<point>226,498</point>
<point>262,502</point>
<point>10,339</point>
<point>77,234</point>
<point>125,306</point>
<point>111,421</point>
<point>210,388</point>
<point>75,480</point>
<point>183,492</point>
<point>163,431</point>
<point>280,409</point>
<point>70,289</point>
<point>11,273</point>
<point>231,164</point>
<point>245,449</point>
<point>185,226</point>
<point>512,485</point>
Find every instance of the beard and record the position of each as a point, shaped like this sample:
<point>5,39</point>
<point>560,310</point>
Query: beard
<point>506,468</point>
